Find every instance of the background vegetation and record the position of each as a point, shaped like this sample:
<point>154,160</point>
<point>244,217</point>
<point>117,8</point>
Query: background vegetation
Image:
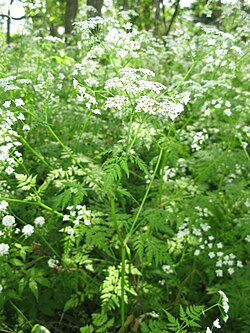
<point>124,161</point>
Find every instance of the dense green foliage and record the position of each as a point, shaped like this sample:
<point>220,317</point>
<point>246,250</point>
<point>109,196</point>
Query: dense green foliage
<point>123,190</point>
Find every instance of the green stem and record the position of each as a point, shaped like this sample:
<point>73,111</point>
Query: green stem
<point>187,74</point>
<point>113,213</point>
<point>39,203</point>
<point>123,289</point>
<point>21,313</point>
<point>49,246</point>
<point>143,200</point>
<point>81,134</point>
<point>41,158</point>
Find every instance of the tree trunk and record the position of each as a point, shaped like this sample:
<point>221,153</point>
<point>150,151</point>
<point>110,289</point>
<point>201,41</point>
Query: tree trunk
<point>70,15</point>
<point>97,4</point>
<point>8,39</point>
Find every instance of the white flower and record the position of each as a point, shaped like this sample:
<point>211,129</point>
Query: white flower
<point>28,230</point>
<point>247,238</point>
<point>19,102</point>
<point>216,323</point>
<point>197,252</point>
<point>26,128</point>
<point>116,102</point>
<point>1,288</point>
<point>9,170</point>
<point>211,255</point>
<point>239,264</point>
<point>87,222</point>
<point>186,97</point>
<point>6,104</point>
<point>127,26</point>
<point>53,263</point>
<point>4,249</point>
<point>3,205</point>
<point>66,218</point>
<point>70,231</point>
<point>230,270</point>
<point>219,272</point>
<point>225,301</point>
<point>208,330</point>
<point>20,116</point>
<point>167,269</point>
<point>227,112</point>
<point>96,111</point>
<point>39,221</point>
<point>8,221</point>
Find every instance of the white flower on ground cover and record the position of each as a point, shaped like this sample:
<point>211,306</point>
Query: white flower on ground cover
<point>216,323</point>
<point>8,221</point>
<point>39,221</point>
<point>28,230</point>
<point>4,249</point>
<point>19,102</point>
<point>53,263</point>
<point>3,205</point>
<point>225,301</point>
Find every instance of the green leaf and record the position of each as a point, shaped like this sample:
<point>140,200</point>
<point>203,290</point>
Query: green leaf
<point>71,303</point>
<point>39,329</point>
<point>16,262</point>
<point>34,289</point>
<point>87,329</point>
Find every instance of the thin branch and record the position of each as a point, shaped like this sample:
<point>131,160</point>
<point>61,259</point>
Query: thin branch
<point>177,3</point>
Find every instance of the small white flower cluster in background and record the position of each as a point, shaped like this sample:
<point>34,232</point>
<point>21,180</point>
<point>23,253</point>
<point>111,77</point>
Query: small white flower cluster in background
<point>53,263</point>
<point>3,206</point>
<point>198,140</point>
<point>83,96</point>
<point>9,223</point>
<point>169,173</point>
<point>80,213</point>
<point>224,263</point>
<point>39,221</point>
<point>167,269</point>
<point>247,238</point>
<point>8,141</point>
<point>225,306</point>
<point>4,249</point>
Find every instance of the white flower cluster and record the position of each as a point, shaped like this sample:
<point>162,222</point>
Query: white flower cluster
<point>169,173</point>
<point>79,214</point>
<point>9,223</point>
<point>225,306</point>
<point>53,263</point>
<point>3,206</point>
<point>198,139</point>
<point>132,83</point>
<point>4,249</point>
<point>83,96</point>
<point>8,141</point>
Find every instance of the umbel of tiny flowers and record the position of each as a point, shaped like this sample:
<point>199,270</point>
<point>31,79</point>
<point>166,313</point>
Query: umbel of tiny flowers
<point>8,221</point>
<point>39,221</point>
<point>225,304</point>
<point>4,249</point>
<point>28,230</point>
